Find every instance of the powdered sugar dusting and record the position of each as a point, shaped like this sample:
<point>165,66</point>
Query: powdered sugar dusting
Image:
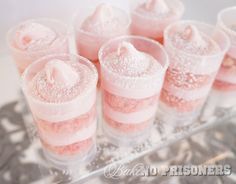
<point>128,61</point>
<point>193,41</point>
<point>33,36</point>
<point>58,92</point>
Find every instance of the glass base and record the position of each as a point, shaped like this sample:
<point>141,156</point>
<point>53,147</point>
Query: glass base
<point>223,99</point>
<point>65,162</point>
<point>126,139</point>
<point>177,119</point>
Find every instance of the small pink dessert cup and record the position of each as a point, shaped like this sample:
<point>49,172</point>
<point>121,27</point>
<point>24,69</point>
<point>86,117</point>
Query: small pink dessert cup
<point>130,91</point>
<point>29,44</point>
<point>192,69</point>
<point>93,28</point>
<point>224,89</point>
<point>65,115</point>
<point>151,17</point>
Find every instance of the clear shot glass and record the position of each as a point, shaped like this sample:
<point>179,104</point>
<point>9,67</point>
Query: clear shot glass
<point>224,89</point>
<point>67,130</point>
<point>129,103</point>
<point>190,76</point>
<point>23,58</point>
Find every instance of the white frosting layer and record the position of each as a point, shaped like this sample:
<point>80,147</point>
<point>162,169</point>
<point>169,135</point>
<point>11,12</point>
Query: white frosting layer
<point>65,111</point>
<point>131,93</point>
<point>56,139</point>
<point>192,94</point>
<point>134,117</point>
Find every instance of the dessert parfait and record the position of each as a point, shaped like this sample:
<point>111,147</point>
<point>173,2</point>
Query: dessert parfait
<point>224,90</point>
<point>132,74</point>
<point>196,51</point>
<point>94,28</point>
<point>151,17</point>
<point>36,38</point>
<point>61,93</point>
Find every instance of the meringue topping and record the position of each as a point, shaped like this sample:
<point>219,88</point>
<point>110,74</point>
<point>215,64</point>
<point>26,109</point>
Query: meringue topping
<point>34,36</point>
<point>192,35</point>
<point>158,6</point>
<point>58,72</point>
<point>128,61</point>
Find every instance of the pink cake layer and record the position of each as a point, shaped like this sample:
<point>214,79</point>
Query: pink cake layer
<point>180,104</point>
<point>77,148</point>
<point>68,126</point>
<point>224,86</point>
<point>187,80</point>
<point>128,127</point>
<point>226,77</point>
<point>128,105</point>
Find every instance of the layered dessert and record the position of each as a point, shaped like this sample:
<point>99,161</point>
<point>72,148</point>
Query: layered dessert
<point>195,58</point>
<point>156,15</point>
<point>226,78</point>
<point>33,39</point>
<point>131,83</point>
<point>61,92</point>
<point>225,83</point>
<point>92,29</point>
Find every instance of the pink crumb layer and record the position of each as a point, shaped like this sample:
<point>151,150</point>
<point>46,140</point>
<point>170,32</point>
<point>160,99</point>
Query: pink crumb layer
<point>68,126</point>
<point>180,104</point>
<point>224,86</point>
<point>127,127</point>
<point>187,80</point>
<point>228,69</point>
<point>128,105</point>
<point>80,147</point>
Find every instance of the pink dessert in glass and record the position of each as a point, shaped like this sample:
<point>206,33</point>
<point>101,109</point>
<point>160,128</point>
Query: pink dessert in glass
<point>93,28</point>
<point>132,74</point>
<point>196,51</point>
<point>61,93</point>
<point>224,90</point>
<point>151,17</point>
<point>36,38</point>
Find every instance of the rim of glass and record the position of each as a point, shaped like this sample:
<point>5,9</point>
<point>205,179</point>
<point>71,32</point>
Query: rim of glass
<point>78,28</point>
<point>222,22</point>
<point>181,7</point>
<point>164,66</point>
<point>167,30</point>
<point>12,30</point>
<point>24,86</point>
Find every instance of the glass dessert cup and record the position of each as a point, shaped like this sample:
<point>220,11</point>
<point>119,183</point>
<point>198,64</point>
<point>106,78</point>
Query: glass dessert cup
<point>88,43</point>
<point>129,103</point>
<point>23,58</point>
<point>190,76</point>
<point>66,129</point>
<point>155,24</point>
<point>224,88</point>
